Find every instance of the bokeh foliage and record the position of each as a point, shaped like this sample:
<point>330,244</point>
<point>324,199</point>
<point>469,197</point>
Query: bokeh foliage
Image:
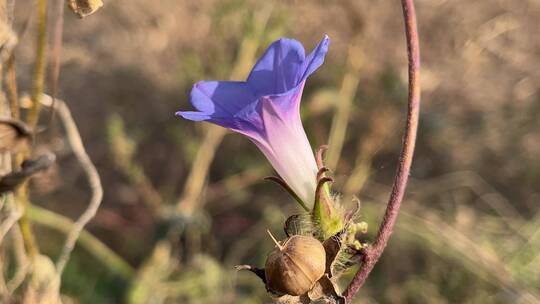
<point>469,231</point>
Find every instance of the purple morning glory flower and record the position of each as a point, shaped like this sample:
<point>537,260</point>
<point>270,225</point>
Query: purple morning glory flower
<point>266,108</point>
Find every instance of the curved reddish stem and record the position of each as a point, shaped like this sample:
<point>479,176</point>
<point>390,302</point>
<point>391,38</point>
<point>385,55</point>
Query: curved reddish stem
<point>374,252</point>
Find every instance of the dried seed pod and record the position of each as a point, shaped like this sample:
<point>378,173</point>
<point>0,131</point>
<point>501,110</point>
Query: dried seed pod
<point>294,267</point>
<point>29,167</point>
<point>84,8</point>
<point>14,135</point>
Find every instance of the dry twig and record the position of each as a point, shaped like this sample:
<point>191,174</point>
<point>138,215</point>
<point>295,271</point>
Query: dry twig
<point>41,63</point>
<point>55,53</point>
<point>112,261</point>
<point>23,264</point>
<point>75,141</point>
<point>14,215</point>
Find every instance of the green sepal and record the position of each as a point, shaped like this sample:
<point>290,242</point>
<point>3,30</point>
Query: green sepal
<point>325,215</point>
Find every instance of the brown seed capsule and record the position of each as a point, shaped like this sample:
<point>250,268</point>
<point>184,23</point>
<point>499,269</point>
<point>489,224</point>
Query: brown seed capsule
<point>84,8</point>
<point>294,267</point>
<point>14,135</point>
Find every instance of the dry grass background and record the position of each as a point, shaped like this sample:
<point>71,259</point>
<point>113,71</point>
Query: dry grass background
<point>470,230</point>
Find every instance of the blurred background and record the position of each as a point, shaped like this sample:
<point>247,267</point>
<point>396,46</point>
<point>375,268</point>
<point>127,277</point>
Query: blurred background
<point>184,202</point>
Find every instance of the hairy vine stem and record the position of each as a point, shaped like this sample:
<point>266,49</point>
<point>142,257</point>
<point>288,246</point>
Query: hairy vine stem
<point>374,252</point>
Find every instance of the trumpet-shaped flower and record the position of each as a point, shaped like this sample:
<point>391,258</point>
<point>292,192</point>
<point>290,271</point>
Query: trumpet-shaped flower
<point>266,109</point>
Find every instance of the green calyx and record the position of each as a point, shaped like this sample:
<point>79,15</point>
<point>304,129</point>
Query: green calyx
<point>325,214</point>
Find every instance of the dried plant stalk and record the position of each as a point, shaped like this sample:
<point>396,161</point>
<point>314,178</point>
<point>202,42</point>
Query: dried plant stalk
<point>41,63</point>
<point>22,261</point>
<point>75,141</point>
<point>93,245</point>
<point>14,215</point>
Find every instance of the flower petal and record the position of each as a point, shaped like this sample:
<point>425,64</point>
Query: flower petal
<point>315,59</point>
<point>192,115</point>
<point>219,101</point>
<point>284,66</point>
<point>221,98</point>
<point>266,108</point>
<point>286,146</point>
<point>278,69</point>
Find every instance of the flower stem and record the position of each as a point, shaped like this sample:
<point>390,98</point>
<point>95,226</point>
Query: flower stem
<point>374,252</point>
